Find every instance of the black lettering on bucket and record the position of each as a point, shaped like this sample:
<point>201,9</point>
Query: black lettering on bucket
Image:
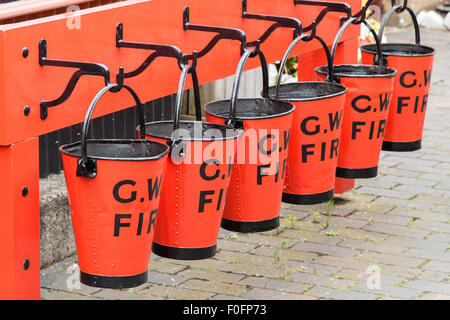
<point>208,196</point>
<point>306,152</point>
<point>426,77</point>
<point>334,148</point>
<point>335,121</point>
<point>424,103</point>
<point>260,173</point>
<point>416,104</point>
<point>152,220</point>
<point>328,150</point>
<point>403,79</point>
<point>141,221</point>
<point>287,137</point>
<point>118,223</point>
<point>372,126</point>
<point>261,148</point>
<point>153,189</point>
<point>381,128</point>
<point>384,100</point>
<point>116,188</point>
<point>203,200</point>
<point>304,123</point>
<point>401,104</point>
<point>219,202</point>
<point>361,109</point>
<point>356,129</point>
<point>203,170</point>
<point>322,153</point>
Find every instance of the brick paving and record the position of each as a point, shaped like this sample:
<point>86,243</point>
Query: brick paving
<point>395,229</point>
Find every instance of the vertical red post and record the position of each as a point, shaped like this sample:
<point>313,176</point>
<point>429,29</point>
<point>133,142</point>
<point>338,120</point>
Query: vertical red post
<point>19,222</point>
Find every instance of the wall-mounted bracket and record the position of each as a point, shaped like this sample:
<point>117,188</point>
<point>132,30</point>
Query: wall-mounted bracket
<point>160,50</point>
<point>280,22</point>
<point>362,15</point>
<point>222,33</point>
<point>332,6</point>
<point>401,8</point>
<point>84,68</point>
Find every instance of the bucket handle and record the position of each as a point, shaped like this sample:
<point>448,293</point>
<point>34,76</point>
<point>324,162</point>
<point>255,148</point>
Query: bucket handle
<point>305,37</point>
<point>378,59</point>
<point>231,121</point>
<point>400,9</point>
<point>87,167</point>
<point>178,147</point>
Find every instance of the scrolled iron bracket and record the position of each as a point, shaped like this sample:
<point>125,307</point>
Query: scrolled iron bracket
<point>362,15</point>
<point>84,68</point>
<point>332,6</point>
<point>401,8</point>
<point>222,34</point>
<point>280,22</point>
<point>159,50</point>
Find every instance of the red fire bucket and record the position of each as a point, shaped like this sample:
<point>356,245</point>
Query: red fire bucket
<point>414,63</point>
<point>365,113</point>
<point>254,197</point>
<point>316,129</point>
<point>197,178</point>
<point>114,202</point>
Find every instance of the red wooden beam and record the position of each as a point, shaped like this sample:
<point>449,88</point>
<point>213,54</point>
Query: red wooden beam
<point>23,82</point>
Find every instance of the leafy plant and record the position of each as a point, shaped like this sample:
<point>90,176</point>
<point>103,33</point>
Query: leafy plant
<point>328,212</point>
<point>233,236</point>
<point>316,217</point>
<point>291,67</point>
<point>292,220</point>
<point>332,233</point>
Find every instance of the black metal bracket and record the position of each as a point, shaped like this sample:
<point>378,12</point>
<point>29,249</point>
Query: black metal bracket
<point>332,6</point>
<point>362,15</point>
<point>222,33</point>
<point>283,22</point>
<point>401,8</point>
<point>84,68</point>
<point>159,50</point>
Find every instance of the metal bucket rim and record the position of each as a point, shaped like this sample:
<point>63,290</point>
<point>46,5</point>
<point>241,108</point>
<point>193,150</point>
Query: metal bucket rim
<point>368,49</point>
<point>237,132</point>
<point>390,72</point>
<point>225,116</point>
<point>320,83</point>
<point>77,154</point>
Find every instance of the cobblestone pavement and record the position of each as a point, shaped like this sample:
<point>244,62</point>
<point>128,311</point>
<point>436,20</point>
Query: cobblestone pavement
<point>396,226</point>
